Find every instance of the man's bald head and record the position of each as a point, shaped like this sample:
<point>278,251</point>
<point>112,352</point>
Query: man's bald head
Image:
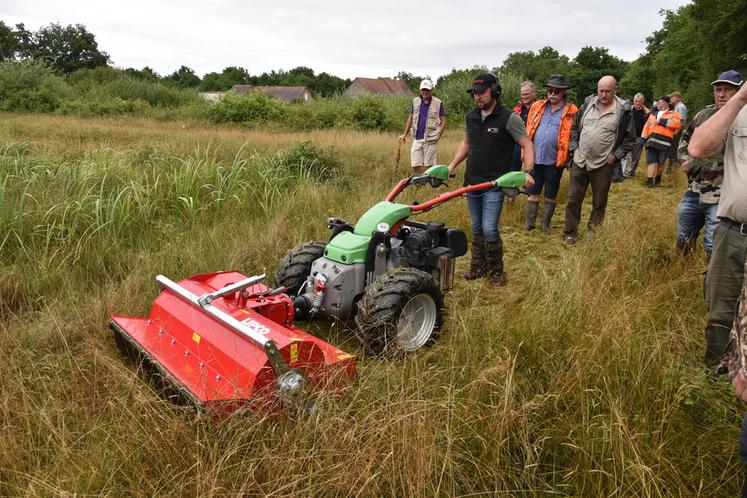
<point>606,90</point>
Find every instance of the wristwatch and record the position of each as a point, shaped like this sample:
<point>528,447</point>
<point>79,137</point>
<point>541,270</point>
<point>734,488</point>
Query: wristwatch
<point>530,172</point>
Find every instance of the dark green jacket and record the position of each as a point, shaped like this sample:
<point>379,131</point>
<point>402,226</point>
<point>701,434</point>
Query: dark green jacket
<point>625,139</point>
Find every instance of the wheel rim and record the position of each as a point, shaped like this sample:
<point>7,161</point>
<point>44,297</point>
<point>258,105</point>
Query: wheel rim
<point>416,322</point>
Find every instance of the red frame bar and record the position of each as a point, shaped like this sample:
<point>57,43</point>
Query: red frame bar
<point>419,208</point>
<point>397,189</point>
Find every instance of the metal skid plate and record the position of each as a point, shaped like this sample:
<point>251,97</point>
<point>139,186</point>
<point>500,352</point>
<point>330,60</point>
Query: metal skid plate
<point>213,365</point>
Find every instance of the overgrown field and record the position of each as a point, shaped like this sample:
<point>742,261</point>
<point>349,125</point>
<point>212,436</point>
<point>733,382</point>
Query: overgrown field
<point>582,377</point>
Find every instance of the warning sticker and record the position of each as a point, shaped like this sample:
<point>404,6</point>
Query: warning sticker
<point>294,353</point>
<point>196,337</point>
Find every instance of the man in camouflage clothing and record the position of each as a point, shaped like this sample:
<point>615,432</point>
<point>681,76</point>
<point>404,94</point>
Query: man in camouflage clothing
<point>698,206</point>
<point>736,355</point>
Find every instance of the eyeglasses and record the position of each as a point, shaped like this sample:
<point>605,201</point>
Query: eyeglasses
<point>552,90</point>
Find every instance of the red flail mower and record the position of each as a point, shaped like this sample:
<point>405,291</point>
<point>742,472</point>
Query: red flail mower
<point>224,341</point>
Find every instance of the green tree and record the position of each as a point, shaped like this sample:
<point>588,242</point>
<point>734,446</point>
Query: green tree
<point>64,49</point>
<point>589,66</point>
<point>184,77</point>
<point>537,66</point>
<point>328,85</point>
<point>220,82</point>
<point>695,43</point>
<point>14,43</point>
<point>412,81</point>
<point>144,74</point>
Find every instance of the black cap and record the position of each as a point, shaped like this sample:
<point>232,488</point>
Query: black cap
<point>557,81</point>
<point>482,82</point>
<point>665,98</point>
<point>731,76</point>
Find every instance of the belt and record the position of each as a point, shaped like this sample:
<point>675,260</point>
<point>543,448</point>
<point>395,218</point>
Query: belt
<point>735,225</point>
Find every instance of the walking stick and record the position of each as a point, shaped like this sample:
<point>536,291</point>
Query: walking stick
<point>396,160</point>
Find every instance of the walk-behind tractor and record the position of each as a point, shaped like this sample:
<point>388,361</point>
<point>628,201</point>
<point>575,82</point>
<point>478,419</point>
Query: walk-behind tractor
<point>387,271</point>
<point>223,340</point>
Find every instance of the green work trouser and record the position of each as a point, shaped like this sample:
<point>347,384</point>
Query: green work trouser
<point>723,283</point>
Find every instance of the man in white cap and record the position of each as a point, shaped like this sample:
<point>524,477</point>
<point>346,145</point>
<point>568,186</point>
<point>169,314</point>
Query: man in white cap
<point>426,122</point>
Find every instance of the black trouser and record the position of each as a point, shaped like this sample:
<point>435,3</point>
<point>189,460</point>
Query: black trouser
<point>636,155</point>
<point>600,180</point>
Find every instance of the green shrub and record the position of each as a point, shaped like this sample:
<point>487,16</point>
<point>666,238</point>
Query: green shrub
<point>154,93</point>
<point>368,114</point>
<point>30,86</point>
<point>254,107</point>
<point>83,80</point>
<point>316,114</point>
<point>112,106</point>
<point>306,159</point>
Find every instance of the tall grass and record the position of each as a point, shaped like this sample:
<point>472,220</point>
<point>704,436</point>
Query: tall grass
<point>582,377</point>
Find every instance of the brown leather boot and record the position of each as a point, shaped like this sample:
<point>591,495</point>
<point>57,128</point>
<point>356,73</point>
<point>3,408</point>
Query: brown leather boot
<point>494,256</point>
<point>478,263</point>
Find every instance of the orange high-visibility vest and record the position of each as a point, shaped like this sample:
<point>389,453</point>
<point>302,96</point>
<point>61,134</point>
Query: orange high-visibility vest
<point>660,136</point>
<point>564,130</point>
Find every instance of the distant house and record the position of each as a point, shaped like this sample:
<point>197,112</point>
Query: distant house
<point>211,96</point>
<point>285,94</point>
<point>378,86</point>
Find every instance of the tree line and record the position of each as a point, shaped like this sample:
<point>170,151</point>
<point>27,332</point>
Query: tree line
<point>695,43</point>
<point>67,49</point>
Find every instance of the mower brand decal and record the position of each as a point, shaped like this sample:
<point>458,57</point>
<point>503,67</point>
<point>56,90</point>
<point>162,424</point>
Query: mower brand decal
<point>196,337</point>
<point>344,356</point>
<point>294,352</point>
<point>244,311</point>
<point>256,326</point>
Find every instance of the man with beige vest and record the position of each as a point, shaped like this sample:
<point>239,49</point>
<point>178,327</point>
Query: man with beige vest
<point>426,122</point>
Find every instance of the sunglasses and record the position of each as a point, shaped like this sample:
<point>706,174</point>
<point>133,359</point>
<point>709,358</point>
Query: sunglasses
<point>553,91</point>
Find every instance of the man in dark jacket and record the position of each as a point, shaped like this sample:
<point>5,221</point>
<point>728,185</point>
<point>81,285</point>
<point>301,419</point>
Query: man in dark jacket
<point>491,132</point>
<point>602,134</point>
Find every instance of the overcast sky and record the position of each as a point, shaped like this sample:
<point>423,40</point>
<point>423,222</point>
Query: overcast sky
<point>347,39</point>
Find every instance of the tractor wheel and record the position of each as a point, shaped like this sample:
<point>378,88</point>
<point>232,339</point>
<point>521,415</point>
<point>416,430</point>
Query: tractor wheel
<point>401,311</point>
<point>295,266</point>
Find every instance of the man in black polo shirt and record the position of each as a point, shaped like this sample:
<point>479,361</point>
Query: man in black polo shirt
<point>491,133</point>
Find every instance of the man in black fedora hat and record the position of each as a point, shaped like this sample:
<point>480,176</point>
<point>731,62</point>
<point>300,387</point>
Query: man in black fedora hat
<point>549,128</point>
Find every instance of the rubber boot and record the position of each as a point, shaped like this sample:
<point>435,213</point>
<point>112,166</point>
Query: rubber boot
<point>532,207</point>
<point>657,181</point>
<point>650,182</point>
<point>494,253</point>
<point>478,262</point>
<point>547,217</point>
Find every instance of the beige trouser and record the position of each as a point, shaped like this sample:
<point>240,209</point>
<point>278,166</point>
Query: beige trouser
<point>423,153</point>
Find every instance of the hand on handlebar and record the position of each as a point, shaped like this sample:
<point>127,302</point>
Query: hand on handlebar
<point>528,180</point>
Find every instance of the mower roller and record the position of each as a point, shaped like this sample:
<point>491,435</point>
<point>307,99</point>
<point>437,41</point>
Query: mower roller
<point>224,341</point>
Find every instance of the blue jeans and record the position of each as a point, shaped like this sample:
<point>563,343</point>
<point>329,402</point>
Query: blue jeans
<point>485,208</point>
<point>692,215</point>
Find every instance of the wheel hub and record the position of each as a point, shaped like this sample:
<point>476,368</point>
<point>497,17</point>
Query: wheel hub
<point>416,322</point>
